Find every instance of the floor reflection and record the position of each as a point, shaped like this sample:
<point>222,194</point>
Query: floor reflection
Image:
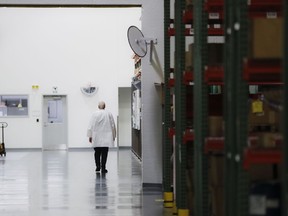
<point>64,183</point>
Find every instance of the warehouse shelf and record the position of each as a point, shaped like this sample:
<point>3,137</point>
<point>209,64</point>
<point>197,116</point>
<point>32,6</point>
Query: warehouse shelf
<point>188,135</point>
<point>212,31</point>
<point>214,144</point>
<point>171,82</point>
<point>261,156</point>
<point>263,71</point>
<point>187,78</point>
<point>256,8</point>
<point>136,86</point>
<point>203,20</point>
<point>214,17</point>
<point>171,132</point>
<point>265,3</point>
<point>256,72</point>
<point>214,75</point>
<point>214,6</point>
<point>217,144</point>
<point>251,155</point>
<point>265,8</point>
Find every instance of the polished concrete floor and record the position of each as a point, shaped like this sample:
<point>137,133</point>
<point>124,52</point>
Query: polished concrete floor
<point>62,183</point>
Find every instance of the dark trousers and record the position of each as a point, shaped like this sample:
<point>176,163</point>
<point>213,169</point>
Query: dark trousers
<point>100,155</point>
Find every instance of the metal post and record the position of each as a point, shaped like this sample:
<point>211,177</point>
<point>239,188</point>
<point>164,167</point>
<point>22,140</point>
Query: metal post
<point>200,110</point>
<point>230,99</point>
<point>166,114</point>
<point>241,47</point>
<point>284,123</point>
<point>180,111</point>
<point>236,97</point>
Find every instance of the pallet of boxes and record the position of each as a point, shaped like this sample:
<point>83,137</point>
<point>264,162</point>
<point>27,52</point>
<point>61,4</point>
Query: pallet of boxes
<point>264,117</point>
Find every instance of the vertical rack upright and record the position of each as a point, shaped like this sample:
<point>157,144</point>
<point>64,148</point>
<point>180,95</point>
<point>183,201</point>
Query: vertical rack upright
<point>201,207</point>
<point>178,193</point>
<point>284,182</point>
<point>166,114</point>
<point>236,93</point>
<point>180,110</point>
<point>230,96</point>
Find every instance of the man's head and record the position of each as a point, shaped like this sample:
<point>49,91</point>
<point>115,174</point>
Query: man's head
<point>101,105</point>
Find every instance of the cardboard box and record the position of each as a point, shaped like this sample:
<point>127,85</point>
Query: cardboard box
<point>189,4</point>
<point>267,38</point>
<point>189,179</point>
<point>190,188</point>
<point>215,126</point>
<point>188,61</point>
<point>217,199</point>
<point>261,172</point>
<point>275,96</point>
<point>269,139</point>
<point>268,117</point>
<point>216,170</point>
<point>215,54</point>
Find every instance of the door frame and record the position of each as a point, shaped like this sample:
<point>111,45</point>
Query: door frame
<point>66,117</point>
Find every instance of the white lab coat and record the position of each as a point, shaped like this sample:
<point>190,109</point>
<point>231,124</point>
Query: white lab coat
<point>102,129</point>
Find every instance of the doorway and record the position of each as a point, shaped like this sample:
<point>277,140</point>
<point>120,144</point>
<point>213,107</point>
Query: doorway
<point>54,122</point>
<point>124,119</point>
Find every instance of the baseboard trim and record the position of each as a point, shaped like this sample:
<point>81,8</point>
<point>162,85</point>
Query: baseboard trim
<point>152,186</point>
<point>69,149</point>
<point>22,149</point>
<point>124,147</point>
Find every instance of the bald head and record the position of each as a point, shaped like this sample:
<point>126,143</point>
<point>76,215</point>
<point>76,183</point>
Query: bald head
<point>101,105</point>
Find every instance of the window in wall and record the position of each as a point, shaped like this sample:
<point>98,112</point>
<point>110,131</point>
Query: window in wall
<point>55,111</point>
<point>13,105</point>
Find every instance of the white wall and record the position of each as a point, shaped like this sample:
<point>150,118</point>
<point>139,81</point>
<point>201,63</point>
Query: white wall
<point>152,25</point>
<point>67,48</point>
<point>70,2</point>
<point>152,72</point>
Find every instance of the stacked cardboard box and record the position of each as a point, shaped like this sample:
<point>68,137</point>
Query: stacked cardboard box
<point>215,55</point>
<point>263,172</point>
<point>266,38</point>
<point>216,184</point>
<point>268,140</point>
<point>268,118</point>
<point>216,125</point>
<point>189,4</point>
<point>265,126</point>
<point>190,190</point>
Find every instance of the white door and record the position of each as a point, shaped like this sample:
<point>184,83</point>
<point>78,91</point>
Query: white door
<point>54,122</point>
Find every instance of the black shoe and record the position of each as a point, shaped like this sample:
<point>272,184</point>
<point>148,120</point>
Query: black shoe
<point>104,171</point>
<point>97,170</point>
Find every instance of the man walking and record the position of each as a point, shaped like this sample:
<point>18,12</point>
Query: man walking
<point>102,133</point>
